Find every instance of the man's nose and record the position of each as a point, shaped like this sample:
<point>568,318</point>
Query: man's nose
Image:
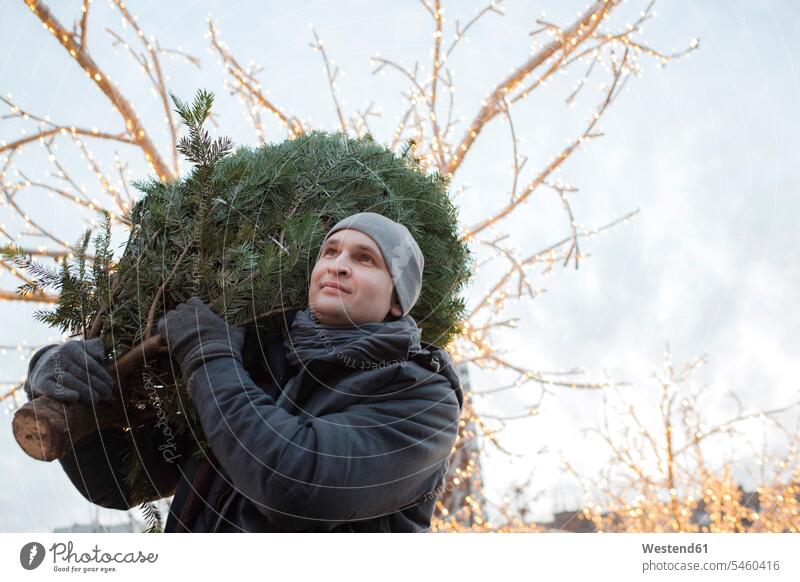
<point>340,267</point>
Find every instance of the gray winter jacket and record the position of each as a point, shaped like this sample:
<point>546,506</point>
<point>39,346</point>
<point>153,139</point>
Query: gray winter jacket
<point>350,449</point>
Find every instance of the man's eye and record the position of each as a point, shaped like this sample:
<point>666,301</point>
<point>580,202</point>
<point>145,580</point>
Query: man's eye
<point>329,251</point>
<point>367,257</point>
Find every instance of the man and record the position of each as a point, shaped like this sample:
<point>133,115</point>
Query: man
<point>351,429</point>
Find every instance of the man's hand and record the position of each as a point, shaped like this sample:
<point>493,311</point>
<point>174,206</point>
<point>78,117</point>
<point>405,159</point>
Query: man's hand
<point>72,372</point>
<point>195,335</point>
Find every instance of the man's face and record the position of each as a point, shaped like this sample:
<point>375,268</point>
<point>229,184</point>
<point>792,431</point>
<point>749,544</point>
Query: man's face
<point>350,283</point>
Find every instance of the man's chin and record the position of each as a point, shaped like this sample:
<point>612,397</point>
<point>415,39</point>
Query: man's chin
<point>330,314</point>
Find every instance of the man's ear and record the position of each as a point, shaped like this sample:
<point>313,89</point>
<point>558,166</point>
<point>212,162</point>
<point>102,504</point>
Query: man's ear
<point>397,309</point>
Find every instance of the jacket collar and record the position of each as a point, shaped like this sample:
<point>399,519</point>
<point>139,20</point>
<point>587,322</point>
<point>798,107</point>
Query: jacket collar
<point>306,341</point>
<point>387,345</point>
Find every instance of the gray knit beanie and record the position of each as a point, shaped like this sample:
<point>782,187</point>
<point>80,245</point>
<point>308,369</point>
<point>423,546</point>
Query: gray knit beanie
<point>400,251</point>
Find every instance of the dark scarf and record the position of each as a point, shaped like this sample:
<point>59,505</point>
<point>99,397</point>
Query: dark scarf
<point>356,345</point>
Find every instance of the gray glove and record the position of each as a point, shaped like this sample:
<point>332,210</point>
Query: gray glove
<point>70,372</point>
<point>195,335</point>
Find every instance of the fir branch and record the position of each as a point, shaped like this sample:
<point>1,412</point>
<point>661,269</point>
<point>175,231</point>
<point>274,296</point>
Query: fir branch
<point>152,517</point>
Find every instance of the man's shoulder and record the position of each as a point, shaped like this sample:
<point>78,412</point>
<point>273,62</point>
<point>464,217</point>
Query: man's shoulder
<point>432,369</point>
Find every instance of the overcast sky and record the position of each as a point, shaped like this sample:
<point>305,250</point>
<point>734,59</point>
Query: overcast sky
<point>706,148</point>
